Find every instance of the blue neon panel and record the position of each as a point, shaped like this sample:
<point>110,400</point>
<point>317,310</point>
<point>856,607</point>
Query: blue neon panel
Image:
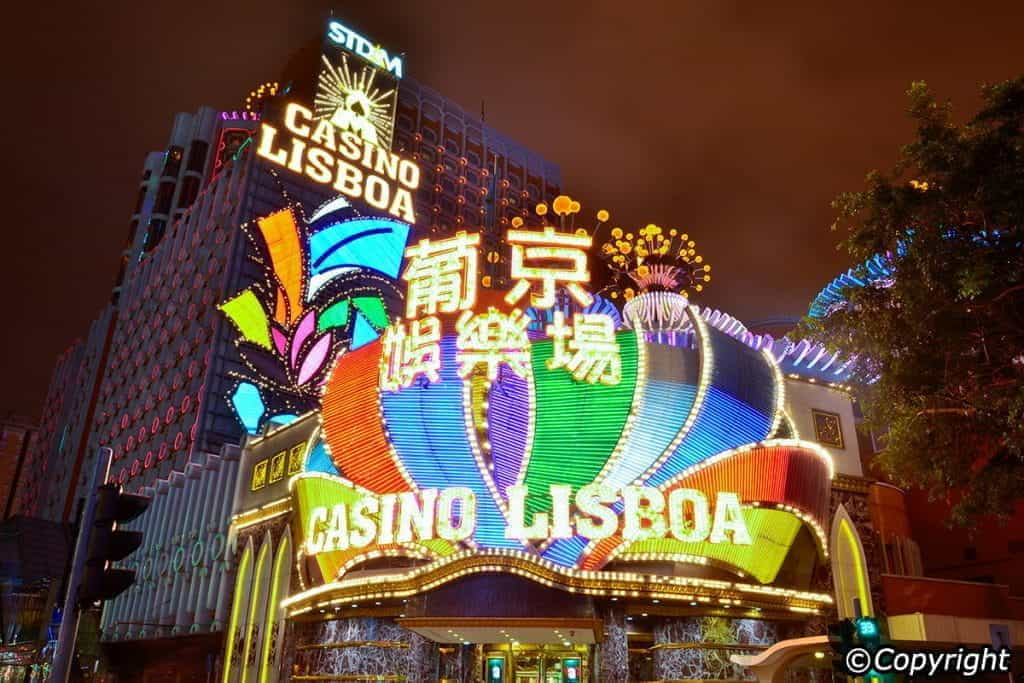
<point>427,426</point>
<point>319,460</point>
<point>376,243</point>
<point>362,332</point>
<point>248,406</point>
<point>737,409</point>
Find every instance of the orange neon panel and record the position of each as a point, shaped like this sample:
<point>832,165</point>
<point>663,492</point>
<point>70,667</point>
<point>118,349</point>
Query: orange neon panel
<point>353,426</point>
<point>281,234</point>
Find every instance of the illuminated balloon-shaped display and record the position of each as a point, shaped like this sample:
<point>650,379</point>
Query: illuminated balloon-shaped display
<point>698,412</point>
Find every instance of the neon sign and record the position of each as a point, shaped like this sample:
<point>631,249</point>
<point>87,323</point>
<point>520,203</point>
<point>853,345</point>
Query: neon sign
<point>346,38</point>
<point>451,514</point>
<point>341,159</point>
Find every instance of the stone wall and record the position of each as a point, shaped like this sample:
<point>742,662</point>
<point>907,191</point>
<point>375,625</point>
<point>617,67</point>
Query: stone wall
<point>699,647</point>
<point>364,646</point>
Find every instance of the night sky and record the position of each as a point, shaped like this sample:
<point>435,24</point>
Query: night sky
<point>738,122</point>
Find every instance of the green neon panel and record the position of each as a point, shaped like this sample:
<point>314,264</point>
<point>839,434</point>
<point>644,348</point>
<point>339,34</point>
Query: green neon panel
<point>577,424</point>
<point>246,312</point>
<point>335,315</point>
<point>772,533</point>
<point>373,308</point>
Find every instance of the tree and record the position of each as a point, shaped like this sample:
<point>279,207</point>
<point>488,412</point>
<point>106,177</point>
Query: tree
<point>939,345</point>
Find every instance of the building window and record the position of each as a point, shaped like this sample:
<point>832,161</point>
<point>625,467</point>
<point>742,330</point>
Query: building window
<point>189,192</point>
<point>163,198</point>
<point>172,161</point>
<point>828,429</point>
<point>197,156</point>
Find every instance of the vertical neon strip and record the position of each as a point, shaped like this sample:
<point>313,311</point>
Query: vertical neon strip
<point>578,425</point>
<point>858,562</point>
<point>274,610</point>
<point>241,590</point>
<point>261,566</point>
<point>427,427</point>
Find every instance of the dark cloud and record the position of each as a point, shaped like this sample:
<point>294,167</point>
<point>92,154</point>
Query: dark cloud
<point>736,121</point>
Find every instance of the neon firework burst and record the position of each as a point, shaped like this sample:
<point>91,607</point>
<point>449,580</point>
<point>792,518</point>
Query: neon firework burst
<point>354,101</point>
<point>653,260</point>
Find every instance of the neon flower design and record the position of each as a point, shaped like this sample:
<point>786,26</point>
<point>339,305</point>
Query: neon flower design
<point>328,287</point>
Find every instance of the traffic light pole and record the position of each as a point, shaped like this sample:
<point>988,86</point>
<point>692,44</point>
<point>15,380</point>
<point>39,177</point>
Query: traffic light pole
<point>69,617</point>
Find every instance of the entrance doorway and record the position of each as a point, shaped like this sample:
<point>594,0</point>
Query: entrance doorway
<point>535,663</point>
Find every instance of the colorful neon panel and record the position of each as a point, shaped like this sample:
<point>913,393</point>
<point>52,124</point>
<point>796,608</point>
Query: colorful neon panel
<point>375,243</point>
<point>770,475</point>
<point>772,532</point>
<point>427,426</point>
<point>578,424</point>
<point>737,409</point>
<point>352,424</point>
<point>246,312</point>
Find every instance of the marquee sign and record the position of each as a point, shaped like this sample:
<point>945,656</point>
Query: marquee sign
<point>450,514</point>
<point>342,159</point>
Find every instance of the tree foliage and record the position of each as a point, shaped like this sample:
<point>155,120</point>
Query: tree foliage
<point>940,346</point>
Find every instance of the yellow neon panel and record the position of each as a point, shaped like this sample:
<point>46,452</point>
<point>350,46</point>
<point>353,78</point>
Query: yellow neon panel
<point>236,606</point>
<point>261,566</point>
<point>273,608</point>
<point>858,563</point>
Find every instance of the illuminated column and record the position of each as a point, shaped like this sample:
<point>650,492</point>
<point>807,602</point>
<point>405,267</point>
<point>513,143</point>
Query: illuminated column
<point>165,584</point>
<point>613,655</point>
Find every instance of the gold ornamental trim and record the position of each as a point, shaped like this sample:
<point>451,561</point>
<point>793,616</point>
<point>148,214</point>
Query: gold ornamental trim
<point>709,594</point>
<point>729,647</point>
<point>352,643</point>
<point>851,484</point>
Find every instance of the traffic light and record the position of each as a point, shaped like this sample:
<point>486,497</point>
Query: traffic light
<point>869,634</point>
<point>841,638</point>
<point>107,544</point>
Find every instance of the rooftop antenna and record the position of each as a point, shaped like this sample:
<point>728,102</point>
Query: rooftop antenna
<point>483,116</point>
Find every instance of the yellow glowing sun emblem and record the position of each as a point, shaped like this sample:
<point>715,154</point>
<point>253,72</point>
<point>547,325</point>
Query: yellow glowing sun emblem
<point>351,101</point>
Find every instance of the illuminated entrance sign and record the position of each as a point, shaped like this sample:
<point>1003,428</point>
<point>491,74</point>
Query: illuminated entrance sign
<point>346,38</point>
<point>451,514</point>
<point>341,159</point>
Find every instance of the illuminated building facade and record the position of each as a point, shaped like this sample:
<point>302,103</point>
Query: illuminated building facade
<point>529,483</point>
<point>158,379</point>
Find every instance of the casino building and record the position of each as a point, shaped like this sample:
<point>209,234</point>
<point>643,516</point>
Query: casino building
<point>393,428</point>
<point>153,378</point>
<point>532,483</point>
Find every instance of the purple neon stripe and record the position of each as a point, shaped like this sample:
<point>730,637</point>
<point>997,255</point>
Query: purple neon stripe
<point>508,421</point>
